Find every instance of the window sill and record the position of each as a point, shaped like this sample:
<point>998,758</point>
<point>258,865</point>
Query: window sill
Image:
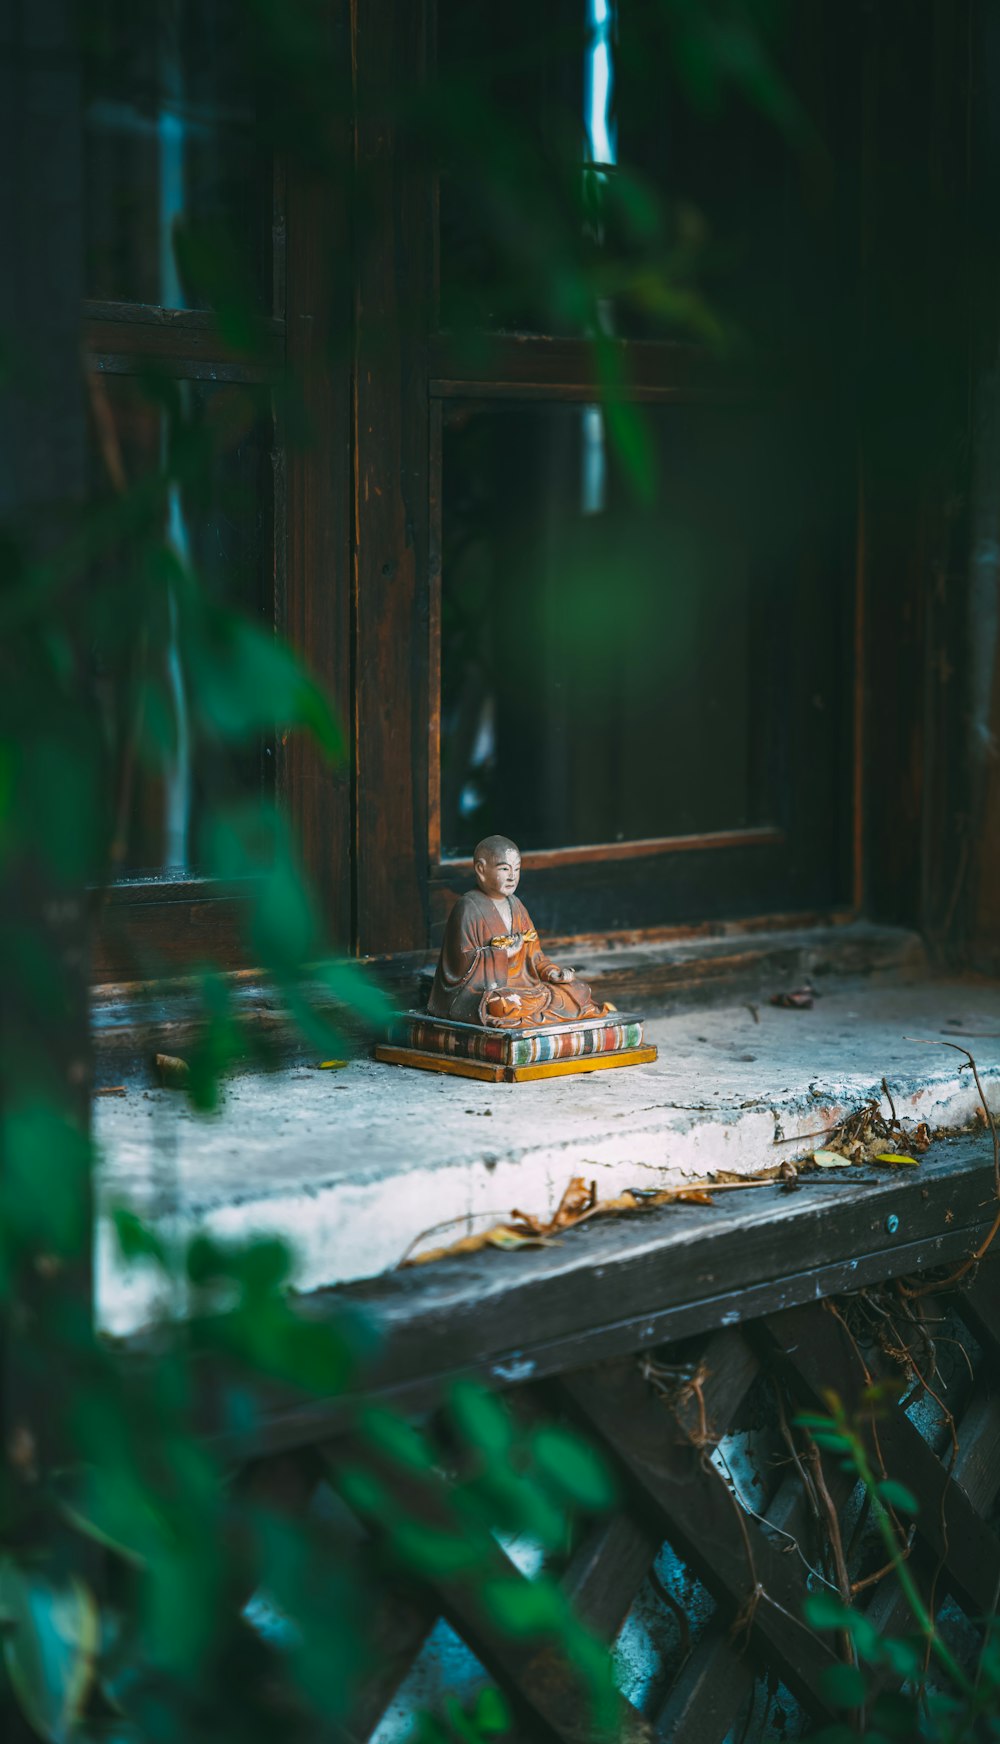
<point>353,1167</point>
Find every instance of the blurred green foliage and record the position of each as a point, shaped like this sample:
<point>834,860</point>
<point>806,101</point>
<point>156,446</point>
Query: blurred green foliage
<point>131,1546</point>
<point>896,1686</point>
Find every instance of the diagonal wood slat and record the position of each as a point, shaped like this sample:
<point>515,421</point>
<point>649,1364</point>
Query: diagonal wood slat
<point>605,1594</point>
<point>977,1469</point>
<point>660,1411</point>
<point>979,1304</point>
<point>818,1352</point>
<point>607,1570</point>
<point>704,1522</point>
<point>706,1699</point>
<point>711,1689</point>
<point>542,1684</point>
<point>399,1629</point>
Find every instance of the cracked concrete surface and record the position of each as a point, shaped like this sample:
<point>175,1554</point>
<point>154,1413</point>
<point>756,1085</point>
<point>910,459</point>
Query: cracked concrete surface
<point>352,1166</point>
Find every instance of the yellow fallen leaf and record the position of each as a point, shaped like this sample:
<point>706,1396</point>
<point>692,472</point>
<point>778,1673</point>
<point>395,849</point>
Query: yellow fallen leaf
<point>895,1157</point>
<point>499,1235</point>
<point>331,1065</point>
<point>504,1237</point>
<point>831,1160</point>
<point>171,1071</point>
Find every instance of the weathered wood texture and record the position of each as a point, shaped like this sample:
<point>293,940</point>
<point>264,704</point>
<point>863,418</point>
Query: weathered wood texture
<point>671,1420</point>
<point>914,444</point>
<point>313,501</point>
<point>631,1284</point>
<point>44,1043</point>
<point>391,487</point>
<point>675,1342</point>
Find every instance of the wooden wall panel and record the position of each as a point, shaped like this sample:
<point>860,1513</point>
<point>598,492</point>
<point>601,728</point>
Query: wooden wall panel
<point>391,492</point>
<point>313,498</point>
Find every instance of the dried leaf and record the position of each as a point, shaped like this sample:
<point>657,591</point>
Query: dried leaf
<point>831,1160</point>
<point>499,1235</point>
<point>579,1198</point>
<point>503,1236</point>
<point>171,1072</point>
<point>111,1090</point>
<point>797,999</point>
<point>578,1203</point>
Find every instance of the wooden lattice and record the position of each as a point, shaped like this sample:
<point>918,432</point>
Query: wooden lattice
<point>664,1412</point>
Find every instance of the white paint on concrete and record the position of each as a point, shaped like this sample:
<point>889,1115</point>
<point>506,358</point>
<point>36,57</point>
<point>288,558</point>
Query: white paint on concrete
<point>351,1167</point>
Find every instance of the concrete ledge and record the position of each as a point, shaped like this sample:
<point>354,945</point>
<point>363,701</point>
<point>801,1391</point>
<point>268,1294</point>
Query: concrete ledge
<point>706,967</point>
<point>352,1166</point>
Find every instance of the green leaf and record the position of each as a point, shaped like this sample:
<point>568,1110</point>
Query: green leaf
<point>461,1726</point>
<point>844,1686</point>
<point>503,1496</point>
<point>481,1419</point>
<point>47,1160</point>
<point>59,799</point>
<point>524,1607</point>
<point>902,1657</point>
<point>206,1259</point>
<point>248,681</point>
<point>491,1713</point>
<point>217,1044</point>
<point>136,1240</point>
<point>896,1495</point>
<point>211,266</point>
<point>827,1610</point>
<point>252,845</point>
<point>357,989</point>
<point>896,1715</point>
<point>434,1553</point>
<point>84,1519</point>
<point>50,1643</point>
<point>831,1441</point>
<point>573,1468</point>
<point>365,1493</point>
<point>394,1436</point>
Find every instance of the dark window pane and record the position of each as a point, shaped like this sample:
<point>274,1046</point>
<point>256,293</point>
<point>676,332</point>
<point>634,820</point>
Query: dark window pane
<point>639,172</point>
<point>614,672</point>
<point>511,112</point>
<point>172,137</point>
<point>218,523</point>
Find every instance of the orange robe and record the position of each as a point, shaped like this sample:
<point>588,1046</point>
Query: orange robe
<point>478,982</point>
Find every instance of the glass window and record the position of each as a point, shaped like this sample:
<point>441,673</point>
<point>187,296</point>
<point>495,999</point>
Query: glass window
<point>610,671</point>
<point>218,523</point>
<point>622,175</point>
<point>172,137</point>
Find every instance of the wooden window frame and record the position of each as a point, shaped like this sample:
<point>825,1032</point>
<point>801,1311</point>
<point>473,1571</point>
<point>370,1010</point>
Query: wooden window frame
<point>154,925</point>
<point>358,568</point>
<point>405,883</point>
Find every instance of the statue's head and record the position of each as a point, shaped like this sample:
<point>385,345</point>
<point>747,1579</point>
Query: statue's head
<point>497,865</point>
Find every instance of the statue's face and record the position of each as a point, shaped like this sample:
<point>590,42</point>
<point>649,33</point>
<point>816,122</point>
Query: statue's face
<point>499,877</point>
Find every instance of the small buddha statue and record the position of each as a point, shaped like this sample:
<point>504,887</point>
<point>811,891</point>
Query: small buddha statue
<point>492,969</point>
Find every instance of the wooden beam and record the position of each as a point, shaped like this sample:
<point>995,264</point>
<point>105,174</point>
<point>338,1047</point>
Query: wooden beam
<point>545,1687</point>
<point>630,1284</point>
<point>818,1351</point>
<point>745,1572</point>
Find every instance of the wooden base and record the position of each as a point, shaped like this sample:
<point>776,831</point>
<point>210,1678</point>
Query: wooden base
<point>493,1074</point>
